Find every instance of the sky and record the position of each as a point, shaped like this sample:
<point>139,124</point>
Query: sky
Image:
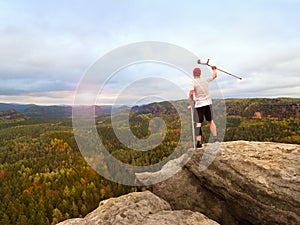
<point>47,47</point>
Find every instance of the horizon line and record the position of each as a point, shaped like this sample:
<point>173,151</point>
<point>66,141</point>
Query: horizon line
<point>105,104</point>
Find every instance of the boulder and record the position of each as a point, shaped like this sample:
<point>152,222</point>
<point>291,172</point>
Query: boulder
<point>246,183</point>
<point>139,208</point>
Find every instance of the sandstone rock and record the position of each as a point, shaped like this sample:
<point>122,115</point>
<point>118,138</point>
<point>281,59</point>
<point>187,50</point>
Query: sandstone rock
<point>247,183</point>
<point>171,167</point>
<point>139,208</point>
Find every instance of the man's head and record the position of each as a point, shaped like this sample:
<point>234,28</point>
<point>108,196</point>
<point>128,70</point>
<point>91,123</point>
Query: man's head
<point>197,72</point>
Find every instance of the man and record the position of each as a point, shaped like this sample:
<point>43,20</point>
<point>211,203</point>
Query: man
<point>203,103</point>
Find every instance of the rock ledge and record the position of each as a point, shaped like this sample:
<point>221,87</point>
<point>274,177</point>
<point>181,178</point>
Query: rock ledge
<point>247,183</point>
<point>139,208</point>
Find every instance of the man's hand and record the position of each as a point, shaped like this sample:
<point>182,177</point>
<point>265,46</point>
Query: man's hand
<point>214,75</point>
<point>191,94</point>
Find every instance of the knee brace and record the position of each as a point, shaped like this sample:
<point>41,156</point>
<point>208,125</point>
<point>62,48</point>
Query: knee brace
<point>198,129</point>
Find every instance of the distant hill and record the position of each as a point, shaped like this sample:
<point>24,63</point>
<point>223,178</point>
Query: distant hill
<point>61,111</point>
<point>274,108</point>
<point>159,107</point>
<point>17,107</point>
<point>48,111</point>
<point>53,111</point>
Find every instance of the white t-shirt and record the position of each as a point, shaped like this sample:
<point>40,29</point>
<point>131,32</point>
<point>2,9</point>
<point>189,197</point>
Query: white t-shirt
<point>201,92</point>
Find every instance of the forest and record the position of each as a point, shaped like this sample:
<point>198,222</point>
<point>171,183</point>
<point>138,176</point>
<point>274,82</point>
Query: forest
<point>45,179</point>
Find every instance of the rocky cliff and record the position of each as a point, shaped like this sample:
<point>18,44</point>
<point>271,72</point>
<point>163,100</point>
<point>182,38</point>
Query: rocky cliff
<point>247,183</point>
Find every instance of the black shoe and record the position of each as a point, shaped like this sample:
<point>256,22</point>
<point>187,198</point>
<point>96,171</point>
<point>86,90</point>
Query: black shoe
<point>199,145</point>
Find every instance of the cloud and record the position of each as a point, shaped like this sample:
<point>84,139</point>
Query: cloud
<point>41,98</point>
<point>29,85</point>
<point>47,47</point>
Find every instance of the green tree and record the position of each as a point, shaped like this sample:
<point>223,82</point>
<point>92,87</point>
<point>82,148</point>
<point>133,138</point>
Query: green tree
<point>74,210</point>
<point>67,192</point>
<point>57,216</point>
<point>5,220</point>
<point>83,210</point>
<point>22,220</point>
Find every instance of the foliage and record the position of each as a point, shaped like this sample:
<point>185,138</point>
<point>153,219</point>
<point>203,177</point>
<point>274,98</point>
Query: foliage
<point>285,130</point>
<point>44,179</point>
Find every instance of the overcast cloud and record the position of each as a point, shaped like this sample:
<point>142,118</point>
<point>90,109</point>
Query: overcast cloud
<point>47,46</point>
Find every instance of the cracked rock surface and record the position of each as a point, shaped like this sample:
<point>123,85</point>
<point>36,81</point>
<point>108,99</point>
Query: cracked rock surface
<point>246,183</point>
<point>139,208</point>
